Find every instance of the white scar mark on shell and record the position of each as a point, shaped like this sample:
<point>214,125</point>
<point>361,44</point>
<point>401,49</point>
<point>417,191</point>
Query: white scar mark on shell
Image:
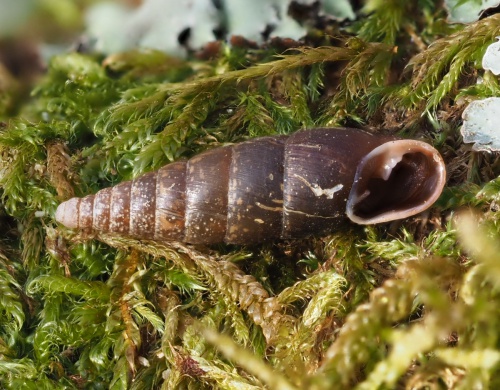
<point>264,207</point>
<point>318,191</point>
<point>290,211</point>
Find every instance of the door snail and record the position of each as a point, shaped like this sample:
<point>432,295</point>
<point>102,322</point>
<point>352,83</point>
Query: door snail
<point>267,188</point>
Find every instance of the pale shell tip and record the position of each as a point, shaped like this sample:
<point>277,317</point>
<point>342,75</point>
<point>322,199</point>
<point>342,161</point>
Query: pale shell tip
<point>67,213</point>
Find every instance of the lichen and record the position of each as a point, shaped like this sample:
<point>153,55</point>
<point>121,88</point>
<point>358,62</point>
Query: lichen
<point>480,124</point>
<point>177,27</point>
<point>468,11</point>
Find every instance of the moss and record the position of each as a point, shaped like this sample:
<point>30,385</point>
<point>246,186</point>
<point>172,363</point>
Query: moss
<point>411,304</point>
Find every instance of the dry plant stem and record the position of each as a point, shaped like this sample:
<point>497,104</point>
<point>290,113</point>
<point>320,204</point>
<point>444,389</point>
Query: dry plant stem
<point>59,169</point>
<point>308,56</point>
<point>129,267</point>
<point>226,277</point>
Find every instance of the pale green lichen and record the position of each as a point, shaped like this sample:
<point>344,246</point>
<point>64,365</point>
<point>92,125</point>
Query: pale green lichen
<point>468,11</point>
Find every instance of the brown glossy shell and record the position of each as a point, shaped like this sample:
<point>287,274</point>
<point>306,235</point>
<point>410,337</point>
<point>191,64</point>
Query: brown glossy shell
<point>268,188</point>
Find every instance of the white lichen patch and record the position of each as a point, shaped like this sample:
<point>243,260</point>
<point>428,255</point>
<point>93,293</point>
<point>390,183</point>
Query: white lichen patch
<point>338,9</point>
<point>480,124</point>
<point>491,59</point>
<point>160,24</point>
<point>250,19</point>
<point>460,11</point>
<point>155,24</point>
<point>318,191</point>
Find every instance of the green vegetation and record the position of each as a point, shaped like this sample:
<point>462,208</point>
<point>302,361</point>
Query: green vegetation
<point>414,304</point>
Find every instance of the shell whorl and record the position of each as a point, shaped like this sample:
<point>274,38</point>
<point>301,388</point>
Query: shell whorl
<point>268,188</point>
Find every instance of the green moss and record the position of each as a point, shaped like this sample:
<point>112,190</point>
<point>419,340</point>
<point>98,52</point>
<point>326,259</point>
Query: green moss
<point>413,304</point>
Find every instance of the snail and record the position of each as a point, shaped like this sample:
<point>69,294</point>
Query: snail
<point>267,188</point>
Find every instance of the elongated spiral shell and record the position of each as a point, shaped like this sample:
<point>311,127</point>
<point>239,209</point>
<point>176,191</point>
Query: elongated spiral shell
<point>268,188</point>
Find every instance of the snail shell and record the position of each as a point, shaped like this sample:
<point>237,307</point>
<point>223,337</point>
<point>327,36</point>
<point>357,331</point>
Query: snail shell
<point>268,188</point>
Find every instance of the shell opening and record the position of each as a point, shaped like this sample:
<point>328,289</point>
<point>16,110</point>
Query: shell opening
<point>396,180</point>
